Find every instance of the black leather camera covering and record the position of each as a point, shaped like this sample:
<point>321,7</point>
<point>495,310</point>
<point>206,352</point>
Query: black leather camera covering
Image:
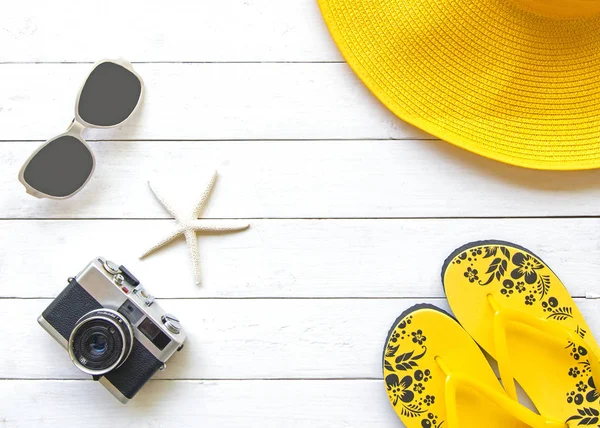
<point>73,303</point>
<point>135,371</point>
<point>70,305</point>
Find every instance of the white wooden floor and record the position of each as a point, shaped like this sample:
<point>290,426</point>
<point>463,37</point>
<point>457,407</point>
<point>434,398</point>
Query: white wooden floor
<point>352,214</point>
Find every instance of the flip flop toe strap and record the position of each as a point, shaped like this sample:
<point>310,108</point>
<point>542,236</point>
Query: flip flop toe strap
<point>505,316</point>
<point>457,381</point>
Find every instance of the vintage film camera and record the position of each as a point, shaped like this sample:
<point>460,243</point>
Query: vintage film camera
<point>112,328</point>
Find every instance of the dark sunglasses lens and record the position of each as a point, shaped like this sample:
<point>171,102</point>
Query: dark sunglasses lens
<point>109,95</point>
<point>60,168</point>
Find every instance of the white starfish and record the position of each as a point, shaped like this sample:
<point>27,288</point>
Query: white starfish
<point>188,225</point>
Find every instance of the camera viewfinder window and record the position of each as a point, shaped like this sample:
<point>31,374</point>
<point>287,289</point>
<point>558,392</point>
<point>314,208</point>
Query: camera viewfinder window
<point>155,334</point>
<point>130,311</point>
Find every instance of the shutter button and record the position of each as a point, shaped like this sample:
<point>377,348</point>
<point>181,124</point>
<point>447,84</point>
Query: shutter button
<point>111,267</point>
<point>171,323</point>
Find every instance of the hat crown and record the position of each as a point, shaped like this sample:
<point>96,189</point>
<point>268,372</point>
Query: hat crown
<point>562,9</point>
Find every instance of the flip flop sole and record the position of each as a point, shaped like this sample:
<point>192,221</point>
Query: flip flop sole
<point>415,382</point>
<point>553,371</point>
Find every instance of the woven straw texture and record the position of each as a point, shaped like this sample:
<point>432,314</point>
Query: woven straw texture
<point>499,78</point>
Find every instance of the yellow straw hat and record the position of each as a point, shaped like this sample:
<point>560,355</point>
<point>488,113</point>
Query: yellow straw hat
<point>513,80</point>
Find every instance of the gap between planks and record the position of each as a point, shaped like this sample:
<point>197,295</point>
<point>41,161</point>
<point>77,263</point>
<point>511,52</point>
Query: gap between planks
<point>438,298</point>
<point>170,62</point>
<point>238,140</point>
<point>206,379</point>
<point>533,217</point>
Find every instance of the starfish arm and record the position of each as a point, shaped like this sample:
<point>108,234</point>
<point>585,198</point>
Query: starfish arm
<point>165,203</point>
<point>163,242</point>
<point>192,241</point>
<point>218,226</point>
<point>205,195</point>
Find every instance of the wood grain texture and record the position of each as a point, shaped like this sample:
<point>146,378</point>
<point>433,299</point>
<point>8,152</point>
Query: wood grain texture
<point>352,213</point>
<point>307,179</point>
<point>185,30</point>
<point>206,101</point>
<point>243,339</point>
<point>222,404</point>
<point>287,258</point>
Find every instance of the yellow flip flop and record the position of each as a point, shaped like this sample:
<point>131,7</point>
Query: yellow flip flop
<point>518,311</point>
<point>437,377</point>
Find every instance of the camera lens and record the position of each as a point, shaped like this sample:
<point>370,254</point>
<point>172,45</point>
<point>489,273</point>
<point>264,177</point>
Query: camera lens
<point>100,342</point>
<point>97,344</point>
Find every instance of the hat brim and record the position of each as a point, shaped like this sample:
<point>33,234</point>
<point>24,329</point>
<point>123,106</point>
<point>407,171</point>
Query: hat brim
<point>483,75</point>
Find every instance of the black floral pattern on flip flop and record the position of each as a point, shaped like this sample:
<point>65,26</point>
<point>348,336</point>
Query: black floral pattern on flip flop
<point>399,390</point>
<point>585,416</point>
<point>406,382</point>
<point>525,266</point>
<point>517,273</point>
<point>592,395</point>
<point>431,421</point>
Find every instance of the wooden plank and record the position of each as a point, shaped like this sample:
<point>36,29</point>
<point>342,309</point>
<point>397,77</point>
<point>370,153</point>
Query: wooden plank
<point>242,339</point>
<point>287,258</point>
<point>145,31</point>
<point>316,179</point>
<point>206,101</point>
<point>223,404</point>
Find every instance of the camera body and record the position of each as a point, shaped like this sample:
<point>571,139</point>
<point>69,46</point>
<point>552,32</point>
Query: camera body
<point>112,328</point>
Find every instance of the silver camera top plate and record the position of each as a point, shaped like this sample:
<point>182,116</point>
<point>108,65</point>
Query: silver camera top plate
<point>98,276</point>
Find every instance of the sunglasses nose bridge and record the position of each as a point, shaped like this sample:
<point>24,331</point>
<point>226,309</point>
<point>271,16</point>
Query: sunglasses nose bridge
<point>75,128</point>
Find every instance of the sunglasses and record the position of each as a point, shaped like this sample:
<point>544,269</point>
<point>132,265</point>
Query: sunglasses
<point>63,165</point>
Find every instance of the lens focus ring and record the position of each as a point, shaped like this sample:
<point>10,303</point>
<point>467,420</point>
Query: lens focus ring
<point>100,342</point>
<point>97,345</point>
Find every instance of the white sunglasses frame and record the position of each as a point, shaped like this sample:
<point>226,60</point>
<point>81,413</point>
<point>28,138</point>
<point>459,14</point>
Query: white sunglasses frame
<point>76,130</point>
